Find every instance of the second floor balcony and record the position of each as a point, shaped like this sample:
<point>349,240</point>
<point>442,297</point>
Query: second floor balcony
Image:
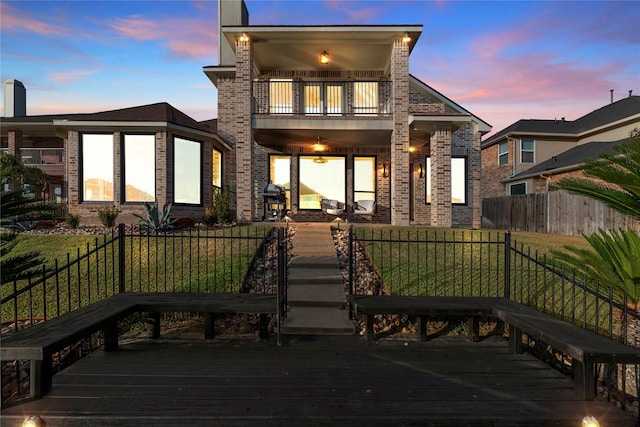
<point>322,98</point>
<point>42,156</point>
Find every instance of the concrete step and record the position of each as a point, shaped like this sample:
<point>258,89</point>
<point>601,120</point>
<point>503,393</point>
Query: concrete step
<point>317,296</point>
<point>315,276</point>
<point>317,321</point>
<point>329,261</point>
<point>314,251</point>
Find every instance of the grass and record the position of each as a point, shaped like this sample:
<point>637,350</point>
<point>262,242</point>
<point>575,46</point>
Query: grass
<point>213,261</point>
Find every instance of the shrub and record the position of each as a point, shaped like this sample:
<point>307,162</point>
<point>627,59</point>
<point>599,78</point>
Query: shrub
<point>108,216</point>
<point>209,217</point>
<point>72,220</point>
<point>221,204</point>
<point>156,220</point>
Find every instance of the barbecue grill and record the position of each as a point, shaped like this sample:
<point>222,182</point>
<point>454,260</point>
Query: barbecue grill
<point>275,202</point>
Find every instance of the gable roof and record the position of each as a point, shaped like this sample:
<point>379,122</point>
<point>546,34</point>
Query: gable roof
<point>611,113</point>
<point>570,159</point>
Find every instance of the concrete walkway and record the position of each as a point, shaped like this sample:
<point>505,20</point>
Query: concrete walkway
<point>315,293</point>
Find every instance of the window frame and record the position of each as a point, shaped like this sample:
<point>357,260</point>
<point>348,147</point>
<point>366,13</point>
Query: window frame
<point>123,168</point>
<point>285,108</point>
<point>81,163</point>
<point>374,193</point>
<point>427,187</point>
<point>526,188</point>
<point>504,154</point>
<point>310,155</point>
<point>200,172</point>
<point>532,150</point>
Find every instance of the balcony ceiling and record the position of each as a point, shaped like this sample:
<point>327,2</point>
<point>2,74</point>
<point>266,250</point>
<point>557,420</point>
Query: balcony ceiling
<point>298,48</point>
<point>334,139</point>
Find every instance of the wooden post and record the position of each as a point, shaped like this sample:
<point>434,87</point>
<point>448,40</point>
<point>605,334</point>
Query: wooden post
<point>155,320</point>
<point>111,337</point>
<point>41,372</point>
<point>209,327</point>
<point>422,328</point>
<point>515,340</point>
<point>474,328</point>
<point>368,319</point>
<point>264,326</point>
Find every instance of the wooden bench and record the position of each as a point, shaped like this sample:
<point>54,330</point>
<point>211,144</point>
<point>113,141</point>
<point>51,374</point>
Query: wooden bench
<point>38,343</point>
<point>586,348</point>
<point>472,308</point>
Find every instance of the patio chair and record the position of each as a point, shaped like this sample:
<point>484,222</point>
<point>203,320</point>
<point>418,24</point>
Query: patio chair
<point>332,207</point>
<point>365,208</point>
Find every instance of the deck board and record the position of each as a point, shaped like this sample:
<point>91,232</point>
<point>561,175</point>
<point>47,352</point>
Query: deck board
<point>313,381</point>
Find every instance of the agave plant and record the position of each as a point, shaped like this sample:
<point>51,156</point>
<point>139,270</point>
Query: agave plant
<point>156,220</point>
<point>613,259</point>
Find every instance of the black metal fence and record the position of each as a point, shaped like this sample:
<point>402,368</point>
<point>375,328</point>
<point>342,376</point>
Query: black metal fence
<point>430,262</point>
<point>236,259</point>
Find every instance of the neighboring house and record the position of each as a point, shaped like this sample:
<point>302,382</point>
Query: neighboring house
<point>331,112</point>
<point>119,158</point>
<point>529,155</point>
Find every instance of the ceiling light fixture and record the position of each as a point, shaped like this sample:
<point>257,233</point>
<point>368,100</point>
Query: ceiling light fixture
<point>318,147</point>
<point>324,57</point>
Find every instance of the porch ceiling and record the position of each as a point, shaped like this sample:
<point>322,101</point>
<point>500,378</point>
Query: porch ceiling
<point>334,139</point>
<point>299,48</point>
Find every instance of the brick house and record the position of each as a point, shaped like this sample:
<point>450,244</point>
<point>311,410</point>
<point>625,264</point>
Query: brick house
<point>332,112</point>
<point>121,157</point>
<point>530,155</point>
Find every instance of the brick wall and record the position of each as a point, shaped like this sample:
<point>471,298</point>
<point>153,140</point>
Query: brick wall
<point>441,177</point>
<point>492,173</point>
<point>400,204</point>
<point>245,205</point>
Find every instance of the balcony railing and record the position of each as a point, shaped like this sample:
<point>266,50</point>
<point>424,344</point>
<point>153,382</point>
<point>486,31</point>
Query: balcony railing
<point>42,156</point>
<point>322,98</point>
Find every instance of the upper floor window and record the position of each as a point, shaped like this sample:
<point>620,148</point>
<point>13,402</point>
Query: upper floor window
<point>139,168</point>
<point>321,98</point>
<point>97,167</point>
<point>458,180</point>
<point>365,97</point>
<point>503,153</point>
<point>281,96</point>
<point>527,150</point>
<point>186,171</point>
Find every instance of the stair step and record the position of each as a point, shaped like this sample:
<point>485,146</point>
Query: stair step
<point>315,261</point>
<point>317,295</point>
<point>317,321</point>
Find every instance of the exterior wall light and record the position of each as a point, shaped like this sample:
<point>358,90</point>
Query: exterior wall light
<point>420,170</point>
<point>324,57</point>
<point>385,170</point>
<point>406,38</point>
<point>244,38</point>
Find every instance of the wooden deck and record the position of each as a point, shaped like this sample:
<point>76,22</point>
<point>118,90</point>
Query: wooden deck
<point>337,381</point>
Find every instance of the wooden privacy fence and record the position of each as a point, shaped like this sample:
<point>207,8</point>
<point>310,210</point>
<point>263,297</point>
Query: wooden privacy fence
<point>554,212</point>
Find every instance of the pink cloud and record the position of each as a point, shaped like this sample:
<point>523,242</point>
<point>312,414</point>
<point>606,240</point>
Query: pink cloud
<point>184,38</point>
<point>70,76</point>
<point>13,20</point>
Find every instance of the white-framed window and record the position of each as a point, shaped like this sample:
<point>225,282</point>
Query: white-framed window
<point>503,153</point>
<point>97,167</point>
<point>527,150</point>
<point>216,168</point>
<point>518,188</point>
<point>187,156</point>
<point>139,168</point>
<point>281,96</point>
<point>459,175</point>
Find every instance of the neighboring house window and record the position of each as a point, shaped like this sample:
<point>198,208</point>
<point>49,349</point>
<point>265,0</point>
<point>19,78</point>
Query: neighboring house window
<point>97,167</point>
<point>216,168</point>
<point>280,96</point>
<point>139,168</point>
<point>527,147</point>
<point>458,180</point>
<point>364,178</point>
<point>321,177</point>
<point>365,97</point>
<point>280,174</point>
<point>186,171</point>
<point>503,153</point>
<point>519,188</point>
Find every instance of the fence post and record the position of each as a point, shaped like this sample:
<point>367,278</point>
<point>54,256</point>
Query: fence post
<point>507,264</point>
<point>281,297</point>
<point>121,258</point>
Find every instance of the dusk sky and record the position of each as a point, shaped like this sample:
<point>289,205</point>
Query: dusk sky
<point>502,61</point>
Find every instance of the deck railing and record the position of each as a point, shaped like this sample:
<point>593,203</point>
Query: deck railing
<point>42,156</point>
<point>429,262</point>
